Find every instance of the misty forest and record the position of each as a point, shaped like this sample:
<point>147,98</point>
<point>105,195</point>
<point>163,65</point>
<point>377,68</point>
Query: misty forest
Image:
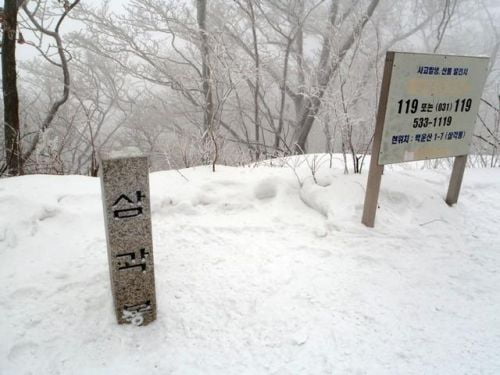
<point>202,82</point>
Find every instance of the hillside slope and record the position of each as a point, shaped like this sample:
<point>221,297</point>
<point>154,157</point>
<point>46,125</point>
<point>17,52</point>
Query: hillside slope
<point>256,274</point>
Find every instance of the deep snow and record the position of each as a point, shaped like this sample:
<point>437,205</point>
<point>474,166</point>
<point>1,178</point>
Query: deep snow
<point>256,274</point>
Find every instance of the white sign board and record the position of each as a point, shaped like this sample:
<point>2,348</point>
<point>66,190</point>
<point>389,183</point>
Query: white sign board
<point>432,106</point>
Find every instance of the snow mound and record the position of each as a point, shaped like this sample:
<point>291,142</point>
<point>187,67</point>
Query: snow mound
<point>266,189</point>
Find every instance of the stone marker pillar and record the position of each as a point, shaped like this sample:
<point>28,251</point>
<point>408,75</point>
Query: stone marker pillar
<point>127,216</point>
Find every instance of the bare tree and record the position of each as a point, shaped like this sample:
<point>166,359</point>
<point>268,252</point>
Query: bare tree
<point>206,76</point>
<point>38,25</point>
<point>325,71</point>
<point>215,81</point>
<point>447,14</point>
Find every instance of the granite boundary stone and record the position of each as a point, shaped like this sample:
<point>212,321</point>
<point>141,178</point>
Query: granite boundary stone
<point>127,216</point>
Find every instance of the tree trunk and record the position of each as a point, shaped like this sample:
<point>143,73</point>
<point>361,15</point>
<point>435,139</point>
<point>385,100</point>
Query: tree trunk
<point>326,69</point>
<point>10,96</point>
<point>257,81</point>
<point>208,116</point>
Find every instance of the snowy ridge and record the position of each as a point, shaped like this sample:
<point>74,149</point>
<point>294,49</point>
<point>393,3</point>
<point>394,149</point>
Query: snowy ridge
<point>259,270</point>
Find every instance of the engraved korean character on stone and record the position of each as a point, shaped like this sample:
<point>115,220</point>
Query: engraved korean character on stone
<point>134,260</point>
<point>124,207</point>
<point>134,314</point>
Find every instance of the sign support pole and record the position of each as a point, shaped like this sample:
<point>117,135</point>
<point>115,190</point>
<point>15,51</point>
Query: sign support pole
<point>457,175</point>
<point>376,170</point>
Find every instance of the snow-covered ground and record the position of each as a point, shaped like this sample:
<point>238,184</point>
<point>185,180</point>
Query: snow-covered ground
<point>258,274</point>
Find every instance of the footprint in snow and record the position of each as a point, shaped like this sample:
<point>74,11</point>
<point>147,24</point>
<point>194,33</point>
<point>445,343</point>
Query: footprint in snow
<point>22,350</point>
<point>396,197</point>
<point>48,213</point>
<point>26,293</point>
